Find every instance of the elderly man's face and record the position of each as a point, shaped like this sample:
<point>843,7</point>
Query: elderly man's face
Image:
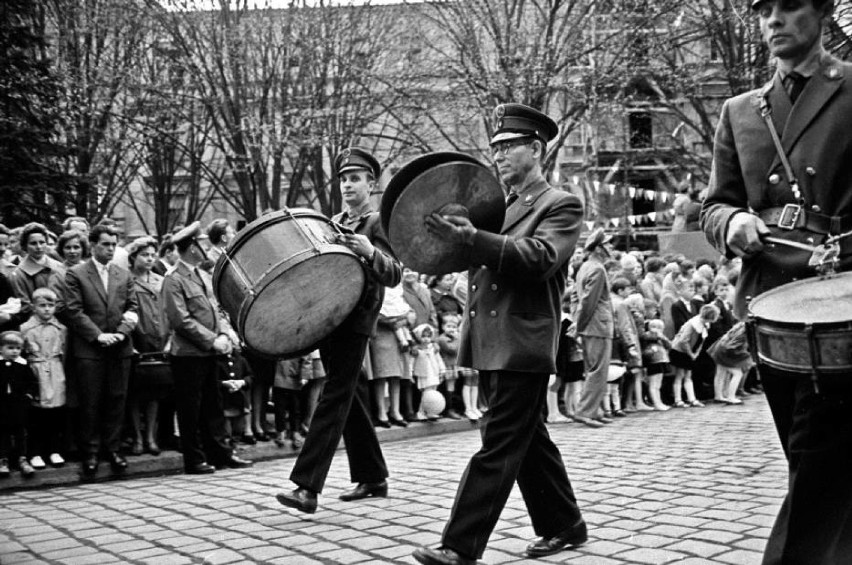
<point>515,159</point>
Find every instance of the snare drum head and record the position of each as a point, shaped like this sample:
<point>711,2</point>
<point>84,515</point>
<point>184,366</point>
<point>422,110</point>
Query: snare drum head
<point>810,301</point>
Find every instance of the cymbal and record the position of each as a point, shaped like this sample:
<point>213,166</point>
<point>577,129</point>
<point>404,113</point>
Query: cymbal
<point>448,183</point>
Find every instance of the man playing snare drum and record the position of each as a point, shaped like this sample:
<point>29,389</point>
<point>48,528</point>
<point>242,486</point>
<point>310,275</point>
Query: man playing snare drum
<point>340,411</point>
<point>753,195</point>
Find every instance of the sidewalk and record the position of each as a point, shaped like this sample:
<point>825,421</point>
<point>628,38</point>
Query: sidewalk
<point>171,462</point>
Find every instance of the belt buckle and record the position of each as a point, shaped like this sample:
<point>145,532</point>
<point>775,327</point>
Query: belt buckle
<point>789,216</point>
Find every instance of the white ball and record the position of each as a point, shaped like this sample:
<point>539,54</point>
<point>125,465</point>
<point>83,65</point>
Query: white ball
<point>433,403</point>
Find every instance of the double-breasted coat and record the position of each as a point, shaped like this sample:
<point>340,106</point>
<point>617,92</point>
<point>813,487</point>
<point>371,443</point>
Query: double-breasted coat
<point>513,311</point>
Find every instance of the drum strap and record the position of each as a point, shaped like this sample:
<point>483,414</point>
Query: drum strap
<point>766,114</point>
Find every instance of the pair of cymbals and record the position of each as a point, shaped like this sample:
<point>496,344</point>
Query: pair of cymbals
<point>447,183</point>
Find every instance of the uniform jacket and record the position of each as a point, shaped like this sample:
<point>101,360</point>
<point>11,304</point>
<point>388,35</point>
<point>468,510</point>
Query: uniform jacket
<point>383,271</point>
<point>594,304</point>
<point>513,311</point>
<point>7,292</point>
<point>90,310</point>
<point>747,173</point>
<point>191,312</point>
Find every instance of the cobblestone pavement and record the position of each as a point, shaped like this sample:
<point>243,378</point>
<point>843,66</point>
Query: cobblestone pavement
<point>687,486</point>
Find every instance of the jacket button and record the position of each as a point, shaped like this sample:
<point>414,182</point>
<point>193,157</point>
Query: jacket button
<point>811,171</point>
<point>485,267</point>
<point>494,313</point>
<point>473,287</point>
<point>493,286</point>
<point>816,208</point>
<point>473,313</point>
<point>774,178</point>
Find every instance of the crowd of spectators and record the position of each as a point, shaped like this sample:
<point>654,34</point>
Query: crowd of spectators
<point>670,315</point>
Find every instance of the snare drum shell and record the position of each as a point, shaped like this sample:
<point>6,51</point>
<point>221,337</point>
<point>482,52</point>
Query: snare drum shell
<point>805,326</point>
<point>285,284</point>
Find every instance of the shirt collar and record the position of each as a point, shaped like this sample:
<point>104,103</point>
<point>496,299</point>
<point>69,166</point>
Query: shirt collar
<point>807,68</point>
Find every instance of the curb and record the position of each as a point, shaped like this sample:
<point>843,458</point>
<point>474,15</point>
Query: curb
<point>171,462</point>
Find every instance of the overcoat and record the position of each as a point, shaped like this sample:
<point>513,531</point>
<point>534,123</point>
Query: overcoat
<point>513,312</point>
<point>747,174</point>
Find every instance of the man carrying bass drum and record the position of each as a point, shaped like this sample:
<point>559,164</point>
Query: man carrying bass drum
<point>342,412</point>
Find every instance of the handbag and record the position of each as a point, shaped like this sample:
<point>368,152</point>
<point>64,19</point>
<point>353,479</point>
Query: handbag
<point>153,370</point>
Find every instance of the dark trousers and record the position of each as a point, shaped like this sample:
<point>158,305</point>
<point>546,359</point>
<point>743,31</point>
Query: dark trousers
<point>340,412</point>
<point>287,409</point>
<point>201,416</point>
<point>14,409</point>
<point>102,385</point>
<point>47,430</point>
<point>814,525</point>
<point>515,447</point>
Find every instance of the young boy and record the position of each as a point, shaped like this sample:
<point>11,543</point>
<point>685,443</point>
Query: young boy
<point>18,389</point>
<point>45,342</point>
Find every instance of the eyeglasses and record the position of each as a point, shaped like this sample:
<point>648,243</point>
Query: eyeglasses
<point>502,147</point>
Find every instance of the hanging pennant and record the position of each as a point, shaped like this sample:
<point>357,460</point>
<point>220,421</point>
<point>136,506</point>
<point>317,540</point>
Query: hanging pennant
<point>576,179</point>
<point>597,185</point>
<point>615,221</point>
<point>652,216</point>
<point>632,220</point>
<point>589,225</point>
<point>611,189</point>
<point>631,190</point>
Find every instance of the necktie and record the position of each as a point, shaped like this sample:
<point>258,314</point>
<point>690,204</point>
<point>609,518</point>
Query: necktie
<point>511,198</point>
<point>795,83</point>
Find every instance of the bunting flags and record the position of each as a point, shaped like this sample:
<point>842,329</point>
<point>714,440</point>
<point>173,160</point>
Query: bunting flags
<point>633,192</point>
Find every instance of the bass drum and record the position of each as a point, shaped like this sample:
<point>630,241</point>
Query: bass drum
<point>804,326</point>
<point>286,284</point>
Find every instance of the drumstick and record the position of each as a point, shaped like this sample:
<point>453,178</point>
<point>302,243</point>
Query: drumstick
<point>796,244</point>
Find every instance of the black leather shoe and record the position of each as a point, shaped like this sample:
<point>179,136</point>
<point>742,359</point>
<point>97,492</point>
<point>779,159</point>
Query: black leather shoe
<point>441,556</point>
<point>301,499</point>
<point>588,422</point>
<point>398,422</point>
<point>383,424</point>
<point>366,490</point>
<point>234,462</point>
<point>200,469</point>
<point>117,462</point>
<point>548,546</point>
<point>90,465</point>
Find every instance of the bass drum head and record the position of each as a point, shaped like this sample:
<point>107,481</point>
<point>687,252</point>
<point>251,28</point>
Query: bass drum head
<point>302,305</point>
<point>810,301</point>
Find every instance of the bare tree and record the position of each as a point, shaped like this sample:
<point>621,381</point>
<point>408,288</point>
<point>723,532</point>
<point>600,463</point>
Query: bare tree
<point>95,48</point>
<point>548,54</point>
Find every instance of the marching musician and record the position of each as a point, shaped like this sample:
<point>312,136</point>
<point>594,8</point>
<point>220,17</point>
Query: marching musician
<point>510,333</point>
<point>342,412</point>
<point>754,194</point>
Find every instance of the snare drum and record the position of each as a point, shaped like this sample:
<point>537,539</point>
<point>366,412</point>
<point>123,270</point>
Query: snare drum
<point>286,284</point>
<point>804,326</point>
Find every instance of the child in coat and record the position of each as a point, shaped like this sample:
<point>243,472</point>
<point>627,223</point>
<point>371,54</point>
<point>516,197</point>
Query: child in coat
<point>45,342</point>
<point>427,366</point>
<point>235,378</point>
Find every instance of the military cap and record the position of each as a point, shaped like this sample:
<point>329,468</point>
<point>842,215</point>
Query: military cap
<point>597,238</point>
<point>192,231</point>
<point>353,158</point>
<point>514,121</point>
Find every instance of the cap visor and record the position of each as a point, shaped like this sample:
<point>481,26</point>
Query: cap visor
<point>506,136</point>
<point>346,168</point>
